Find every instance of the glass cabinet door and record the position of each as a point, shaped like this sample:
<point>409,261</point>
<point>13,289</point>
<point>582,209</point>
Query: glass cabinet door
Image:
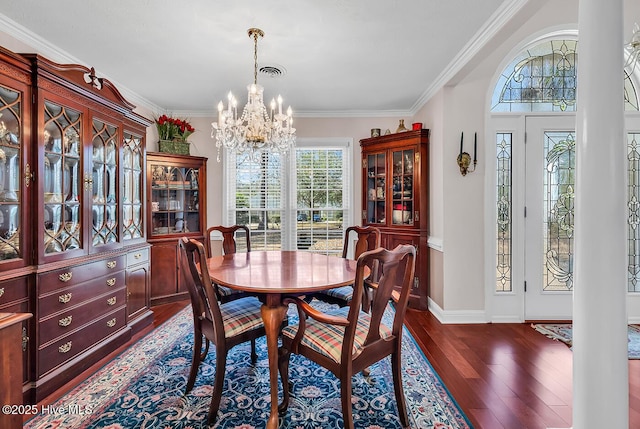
<point>10,161</point>
<point>132,170</point>
<point>376,188</point>
<point>174,199</point>
<point>103,184</point>
<point>61,178</point>
<point>402,189</point>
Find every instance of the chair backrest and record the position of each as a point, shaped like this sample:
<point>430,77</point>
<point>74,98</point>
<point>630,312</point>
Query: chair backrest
<point>228,238</point>
<point>202,292</point>
<point>368,238</point>
<point>390,264</point>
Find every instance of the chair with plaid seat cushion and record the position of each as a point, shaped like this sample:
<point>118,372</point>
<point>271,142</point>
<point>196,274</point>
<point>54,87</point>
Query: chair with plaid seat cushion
<point>347,340</point>
<point>229,245</point>
<point>223,324</point>
<point>366,238</point>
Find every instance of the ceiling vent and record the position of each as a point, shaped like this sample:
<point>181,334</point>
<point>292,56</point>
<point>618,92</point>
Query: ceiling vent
<point>272,71</point>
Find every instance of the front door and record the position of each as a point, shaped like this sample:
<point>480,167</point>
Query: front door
<point>549,217</point>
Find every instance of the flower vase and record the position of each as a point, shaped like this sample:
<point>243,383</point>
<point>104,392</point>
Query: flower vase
<point>174,146</point>
<point>401,127</point>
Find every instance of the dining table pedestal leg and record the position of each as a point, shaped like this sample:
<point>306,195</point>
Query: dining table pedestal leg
<point>273,313</point>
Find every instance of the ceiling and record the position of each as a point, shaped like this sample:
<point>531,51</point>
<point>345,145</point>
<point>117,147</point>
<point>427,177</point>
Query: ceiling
<point>339,57</point>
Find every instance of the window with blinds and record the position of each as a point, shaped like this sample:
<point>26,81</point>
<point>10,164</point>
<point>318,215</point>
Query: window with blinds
<point>296,202</point>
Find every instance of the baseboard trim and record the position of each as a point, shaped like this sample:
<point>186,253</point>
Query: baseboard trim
<point>456,316</point>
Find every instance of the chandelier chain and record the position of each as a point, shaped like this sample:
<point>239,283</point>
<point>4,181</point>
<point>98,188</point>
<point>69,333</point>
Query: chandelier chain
<point>255,33</point>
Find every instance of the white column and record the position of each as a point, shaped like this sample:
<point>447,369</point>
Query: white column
<point>600,367</point>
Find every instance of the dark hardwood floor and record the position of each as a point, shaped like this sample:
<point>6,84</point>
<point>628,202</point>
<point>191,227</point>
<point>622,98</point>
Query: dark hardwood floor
<point>502,375</point>
<point>506,375</point>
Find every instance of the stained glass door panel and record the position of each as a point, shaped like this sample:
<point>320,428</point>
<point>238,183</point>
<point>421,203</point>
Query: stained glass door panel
<point>549,222</point>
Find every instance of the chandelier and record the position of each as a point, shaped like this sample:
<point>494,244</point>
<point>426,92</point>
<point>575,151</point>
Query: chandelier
<point>634,49</point>
<point>256,130</point>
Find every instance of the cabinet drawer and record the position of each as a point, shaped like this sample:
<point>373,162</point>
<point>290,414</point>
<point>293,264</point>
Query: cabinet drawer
<point>66,348</point>
<point>71,276</point>
<point>66,322</point>
<point>13,290</point>
<point>138,256</point>
<point>73,295</point>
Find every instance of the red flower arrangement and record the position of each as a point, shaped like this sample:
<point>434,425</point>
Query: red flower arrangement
<point>173,128</point>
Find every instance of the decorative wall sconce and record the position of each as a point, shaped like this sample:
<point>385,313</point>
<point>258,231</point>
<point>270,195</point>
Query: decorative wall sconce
<point>464,159</point>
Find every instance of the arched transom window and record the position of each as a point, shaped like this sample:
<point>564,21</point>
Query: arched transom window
<point>543,78</point>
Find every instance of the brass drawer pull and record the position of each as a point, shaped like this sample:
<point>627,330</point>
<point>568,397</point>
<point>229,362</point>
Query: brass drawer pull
<point>1,291</point>
<point>65,277</point>
<point>111,323</point>
<point>65,348</point>
<point>65,298</point>
<point>111,282</point>
<point>66,321</point>
<point>137,255</point>
<point>112,300</point>
<point>111,264</point>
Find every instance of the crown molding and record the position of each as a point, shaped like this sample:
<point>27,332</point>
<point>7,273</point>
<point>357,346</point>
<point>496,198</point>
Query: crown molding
<point>54,53</point>
<point>499,18</point>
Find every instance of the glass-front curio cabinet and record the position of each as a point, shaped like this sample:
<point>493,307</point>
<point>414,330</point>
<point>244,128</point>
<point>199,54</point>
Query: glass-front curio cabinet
<point>395,197</point>
<point>73,249</point>
<point>176,208</point>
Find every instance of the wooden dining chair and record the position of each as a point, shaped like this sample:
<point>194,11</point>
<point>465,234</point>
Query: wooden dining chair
<point>348,340</point>
<point>229,245</point>
<point>366,238</point>
<point>223,324</point>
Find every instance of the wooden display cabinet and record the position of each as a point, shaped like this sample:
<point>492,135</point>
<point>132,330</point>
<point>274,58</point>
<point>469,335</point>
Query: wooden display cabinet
<point>395,197</point>
<point>72,159</point>
<point>177,207</point>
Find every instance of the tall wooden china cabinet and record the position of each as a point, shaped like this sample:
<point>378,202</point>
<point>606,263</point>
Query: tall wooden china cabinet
<point>73,249</point>
<point>178,207</point>
<point>395,197</point>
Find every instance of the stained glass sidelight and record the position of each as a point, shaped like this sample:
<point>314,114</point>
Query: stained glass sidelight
<point>633,204</point>
<point>503,210</point>
<point>559,193</point>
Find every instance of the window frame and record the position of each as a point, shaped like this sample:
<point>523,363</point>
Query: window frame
<point>288,188</point>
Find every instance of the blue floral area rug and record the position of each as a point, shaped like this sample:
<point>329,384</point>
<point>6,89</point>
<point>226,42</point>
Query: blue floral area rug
<point>563,332</point>
<point>144,388</point>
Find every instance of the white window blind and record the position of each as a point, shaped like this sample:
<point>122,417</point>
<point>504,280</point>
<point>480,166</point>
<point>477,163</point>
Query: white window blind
<point>301,201</point>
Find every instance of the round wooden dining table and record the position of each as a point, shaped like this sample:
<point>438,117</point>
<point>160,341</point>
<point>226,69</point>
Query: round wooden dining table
<point>272,275</point>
